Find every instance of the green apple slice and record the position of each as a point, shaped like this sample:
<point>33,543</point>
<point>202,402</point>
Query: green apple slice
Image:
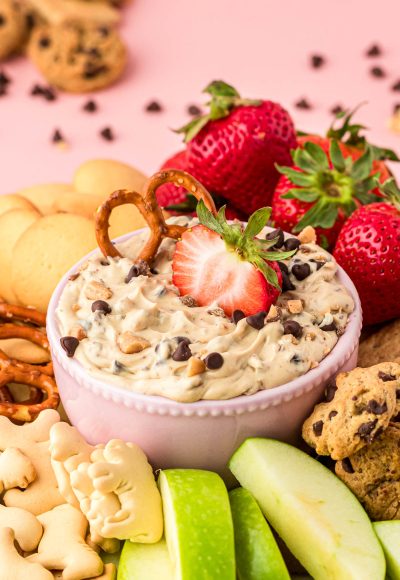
<point>317,516</point>
<point>198,524</point>
<point>145,562</point>
<point>257,553</point>
<point>389,536</point>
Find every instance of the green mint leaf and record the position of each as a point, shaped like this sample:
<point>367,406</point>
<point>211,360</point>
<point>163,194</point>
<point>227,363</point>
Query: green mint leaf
<point>336,156</point>
<point>207,219</point>
<point>257,221</point>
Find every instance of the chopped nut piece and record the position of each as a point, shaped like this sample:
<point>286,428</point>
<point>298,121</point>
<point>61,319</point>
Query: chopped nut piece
<point>310,336</point>
<point>274,314</point>
<point>293,339</point>
<point>75,307</point>
<point>78,332</point>
<point>83,266</point>
<point>195,367</point>
<point>295,306</point>
<point>129,343</point>
<point>97,291</point>
<point>314,364</point>
<point>217,312</point>
<point>74,277</point>
<point>308,235</point>
<point>188,301</point>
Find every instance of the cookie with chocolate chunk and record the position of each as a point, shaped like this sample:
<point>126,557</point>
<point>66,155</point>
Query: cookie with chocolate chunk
<point>373,475</point>
<point>78,57</point>
<point>14,27</point>
<point>381,346</point>
<point>358,408</point>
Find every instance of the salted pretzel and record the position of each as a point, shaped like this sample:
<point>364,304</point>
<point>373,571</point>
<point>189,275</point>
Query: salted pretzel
<point>34,335</point>
<point>148,206</point>
<point>27,410</point>
<point>13,312</point>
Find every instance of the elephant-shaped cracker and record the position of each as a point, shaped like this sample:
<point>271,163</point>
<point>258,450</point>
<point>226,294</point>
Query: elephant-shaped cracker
<point>16,469</point>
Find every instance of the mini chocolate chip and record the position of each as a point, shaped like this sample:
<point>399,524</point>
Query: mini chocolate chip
<point>377,72</point>
<point>317,61</point>
<point>374,50</point>
<point>276,234</point>
<point>154,107</point>
<point>296,359</point>
<point>396,86</point>
<point>332,414</point>
<point>107,134</point>
<point>194,110</point>
<point>117,367</point>
<point>257,321</point>
<point>283,268</point>
<point>182,352</point>
<point>4,79</point>
<point>44,42</point>
<point>57,136</point>
<point>3,20</point>
<point>101,306</point>
<point>328,327</point>
<point>287,284</point>
<point>140,268</point>
<point>396,108</point>
<point>93,70</point>
<point>376,408</point>
<point>347,466</point>
<point>303,104</point>
<point>330,393</point>
<point>69,344</point>
<point>292,327</point>
<point>337,109</point>
<point>365,429</point>
<point>397,393</point>
<point>214,361</point>
<point>153,271</point>
<point>292,244</point>
<point>90,106</point>
<point>395,418</point>
<point>180,339</point>
<point>104,31</point>
<point>3,90</point>
<point>317,263</point>
<point>237,316</point>
<point>301,271</point>
<point>317,428</point>
<point>385,377</point>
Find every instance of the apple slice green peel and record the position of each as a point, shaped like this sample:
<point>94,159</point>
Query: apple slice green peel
<point>257,553</point>
<point>317,516</point>
<point>145,562</point>
<point>198,525</point>
<point>389,536</point>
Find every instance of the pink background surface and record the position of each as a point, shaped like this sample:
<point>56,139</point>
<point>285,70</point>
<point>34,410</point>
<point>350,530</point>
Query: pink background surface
<point>177,47</point>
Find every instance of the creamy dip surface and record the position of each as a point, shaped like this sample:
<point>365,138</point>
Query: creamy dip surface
<point>149,307</point>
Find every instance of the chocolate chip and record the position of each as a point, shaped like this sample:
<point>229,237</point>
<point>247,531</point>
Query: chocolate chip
<point>184,339</point>
<point>90,106</point>
<point>397,393</point>
<point>44,42</point>
<point>396,418</point>
<point>376,408</point>
<point>337,109</point>
<point>4,79</point>
<point>365,429</point>
<point>328,327</point>
<point>214,361</point>
<point>317,61</point>
<point>57,136</point>
<point>330,392</point>
<point>3,20</point>
<point>332,414</point>
<point>237,316</point>
<point>3,90</point>
<point>283,268</point>
<point>104,31</point>
<point>194,110</point>
<point>317,263</point>
<point>154,107</point>
<point>140,268</point>
<point>276,234</point>
<point>107,134</point>
<point>374,50</point>
<point>301,271</point>
<point>303,104</point>
<point>296,359</point>
<point>385,377</point>
<point>94,70</point>
<point>182,352</point>
<point>292,244</point>
<point>396,86</point>
<point>317,428</point>
<point>69,344</point>
<point>292,327</point>
<point>347,466</point>
<point>396,108</point>
<point>101,306</point>
<point>287,284</point>
<point>257,321</point>
<point>377,72</point>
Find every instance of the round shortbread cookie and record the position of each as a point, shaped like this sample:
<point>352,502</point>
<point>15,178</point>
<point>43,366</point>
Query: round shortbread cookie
<point>24,351</point>
<point>11,201</point>
<point>13,224</point>
<point>45,196</point>
<point>103,176</point>
<point>45,252</point>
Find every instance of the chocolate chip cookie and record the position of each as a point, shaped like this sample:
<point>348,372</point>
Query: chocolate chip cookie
<point>14,27</point>
<point>373,475</point>
<point>381,346</point>
<point>357,409</point>
<point>78,57</point>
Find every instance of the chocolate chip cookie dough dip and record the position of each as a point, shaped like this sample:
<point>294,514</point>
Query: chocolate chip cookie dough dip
<point>262,310</point>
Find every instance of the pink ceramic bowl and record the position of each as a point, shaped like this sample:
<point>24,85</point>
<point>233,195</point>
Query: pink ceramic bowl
<point>202,434</point>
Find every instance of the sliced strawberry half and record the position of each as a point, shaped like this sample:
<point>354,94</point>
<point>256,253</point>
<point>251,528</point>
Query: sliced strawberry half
<point>226,265</point>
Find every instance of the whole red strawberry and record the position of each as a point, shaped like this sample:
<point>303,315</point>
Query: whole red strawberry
<point>234,148</point>
<point>322,190</point>
<point>368,248</point>
<point>228,266</point>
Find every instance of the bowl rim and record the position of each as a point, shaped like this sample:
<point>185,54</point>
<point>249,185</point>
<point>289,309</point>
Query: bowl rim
<point>328,367</point>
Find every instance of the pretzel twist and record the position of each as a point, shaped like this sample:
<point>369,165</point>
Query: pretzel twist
<point>27,410</point>
<point>28,333</point>
<point>14,312</point>
<point>148,206</point>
